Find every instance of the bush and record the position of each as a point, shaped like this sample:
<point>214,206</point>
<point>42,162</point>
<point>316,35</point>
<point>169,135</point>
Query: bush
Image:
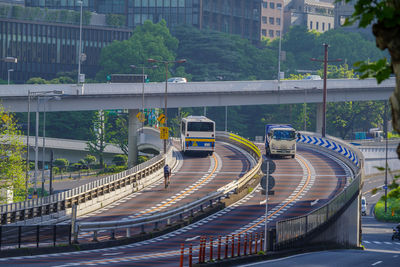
<point>62,164</point>
<point>112,169</point>
<point>142,159</point>
<point>393,207</point>
<point>120,160</point>
<point>76,167</point>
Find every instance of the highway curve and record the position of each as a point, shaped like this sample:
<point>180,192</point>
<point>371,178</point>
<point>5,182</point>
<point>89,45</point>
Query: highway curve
<point>301,184</point>
<point>192,178</point>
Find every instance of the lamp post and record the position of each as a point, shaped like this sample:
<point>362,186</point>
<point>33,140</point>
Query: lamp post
<point>37,95</point>
<point>325,91</point>
<point>143,67</point>
<point>44,136</point>
<point>166,63</point>
<point>80,44</point>
<point>10,70</point>
<point>279,50</point>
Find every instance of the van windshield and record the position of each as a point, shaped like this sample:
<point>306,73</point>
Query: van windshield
<point>284,135</point>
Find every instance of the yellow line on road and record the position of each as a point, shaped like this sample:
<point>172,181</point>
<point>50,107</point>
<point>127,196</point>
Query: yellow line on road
<point>187,191</point>
<point>287,203</point>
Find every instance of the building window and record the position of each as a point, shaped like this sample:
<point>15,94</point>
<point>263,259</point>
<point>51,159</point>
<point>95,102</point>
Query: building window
<point>316,25</point>
<point>278,33</point>
<point>271,5</point>
<point>310,25</point>
<point>271,33</point>
<point>271,20</point>
<point>278,21</point>
<point>323,26</point>
<point>264,20</point>
<point>265,5</point>
<point>264,32</point>
<point>278,5</point>
<point>329,26</point>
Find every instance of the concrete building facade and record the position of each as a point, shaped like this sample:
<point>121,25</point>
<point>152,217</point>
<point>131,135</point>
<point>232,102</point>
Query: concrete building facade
<point>271,18</point>
<point>313,14</point>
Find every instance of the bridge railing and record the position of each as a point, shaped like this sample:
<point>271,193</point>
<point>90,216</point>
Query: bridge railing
<point>21,211</point>
<point>289,231</point>
<point>178,214</point>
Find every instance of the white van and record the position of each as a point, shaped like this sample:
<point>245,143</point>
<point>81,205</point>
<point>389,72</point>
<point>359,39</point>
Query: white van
<point>363,206</point>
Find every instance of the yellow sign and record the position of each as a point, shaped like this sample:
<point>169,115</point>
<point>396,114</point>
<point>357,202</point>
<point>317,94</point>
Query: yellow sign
<point>194,143</point>
<point>140,117</point>
<point>164,133</point>
<point>161,118</point>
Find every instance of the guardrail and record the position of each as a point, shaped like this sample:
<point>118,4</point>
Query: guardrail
<point>178,214</point>
<point>26,210</point>
<point>288,231</point>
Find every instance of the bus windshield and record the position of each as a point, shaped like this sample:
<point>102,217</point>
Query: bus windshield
<point>284,135</point>
<point>200,127</point>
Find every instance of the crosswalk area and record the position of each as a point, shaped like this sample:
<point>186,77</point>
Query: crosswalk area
<point>373,244</point>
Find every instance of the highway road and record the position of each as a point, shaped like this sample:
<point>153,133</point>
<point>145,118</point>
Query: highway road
<point>301,184</point>
<point>380,250</point>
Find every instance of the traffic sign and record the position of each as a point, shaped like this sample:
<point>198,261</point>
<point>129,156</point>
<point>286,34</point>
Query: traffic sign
<point>164,133</point>
<point>271,182</point>
<point>161,118</point>
<point>141,116</point>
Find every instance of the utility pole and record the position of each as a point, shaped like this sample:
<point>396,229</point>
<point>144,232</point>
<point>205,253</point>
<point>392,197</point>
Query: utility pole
<point>325,89</point>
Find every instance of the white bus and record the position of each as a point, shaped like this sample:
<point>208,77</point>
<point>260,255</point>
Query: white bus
<point>197,134</point>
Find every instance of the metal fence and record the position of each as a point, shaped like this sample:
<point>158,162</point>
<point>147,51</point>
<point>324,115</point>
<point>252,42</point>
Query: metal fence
<point>12,237</point>
<point>290,230</point>
<point>21,211</point>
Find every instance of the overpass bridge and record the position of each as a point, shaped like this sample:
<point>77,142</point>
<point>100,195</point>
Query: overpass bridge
<point>195,94</point>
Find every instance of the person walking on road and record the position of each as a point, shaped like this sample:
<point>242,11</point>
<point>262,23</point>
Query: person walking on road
<point>167,174</point>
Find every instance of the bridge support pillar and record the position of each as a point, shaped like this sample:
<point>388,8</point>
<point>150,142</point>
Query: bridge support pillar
<point>133,127</point>
<point>320,111</point>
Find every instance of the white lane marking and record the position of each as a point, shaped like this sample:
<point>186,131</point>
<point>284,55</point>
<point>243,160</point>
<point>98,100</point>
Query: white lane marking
<point>376,263</point>
<point>314,202</point>
<point>112,254</point>
<point>192,238</point>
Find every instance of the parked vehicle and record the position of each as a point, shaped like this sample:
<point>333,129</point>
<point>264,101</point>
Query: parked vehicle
<point>363,206</point>
<point>280,140</point>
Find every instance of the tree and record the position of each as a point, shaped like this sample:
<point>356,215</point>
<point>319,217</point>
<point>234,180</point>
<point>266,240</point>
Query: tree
<point>61,164</point>
<point>120,160</point>
<point>88,161</point>
<point>117,132</point>
<point>12,163</point>
<point>215,56</point>
<point>148,41</point>
<point>385,17</point>
<point>97,142</point>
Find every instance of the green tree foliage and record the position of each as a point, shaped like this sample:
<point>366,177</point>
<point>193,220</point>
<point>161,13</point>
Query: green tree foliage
<point>120,160</point>
<point>117,131</point>
<point>385,17</point>
<point>148,41</point>
<point>12,163</point>
<point>97,142</point>
<point>61,164</point>
<point>88,161</point>
<point>115,20</point>
<point>214,56</point>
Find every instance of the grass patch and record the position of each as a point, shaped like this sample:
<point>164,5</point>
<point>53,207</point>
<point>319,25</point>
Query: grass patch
<point>393,208</point>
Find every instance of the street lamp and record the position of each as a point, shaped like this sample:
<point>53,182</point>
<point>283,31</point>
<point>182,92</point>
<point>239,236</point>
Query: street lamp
<point>37,94</point>
<point>80,54</point>
<point>279,50</point>
<point>46,98</point>
<point>325,92</point>
<point>10,70</point>
<point>150,60</point>
<point>143,67</point>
